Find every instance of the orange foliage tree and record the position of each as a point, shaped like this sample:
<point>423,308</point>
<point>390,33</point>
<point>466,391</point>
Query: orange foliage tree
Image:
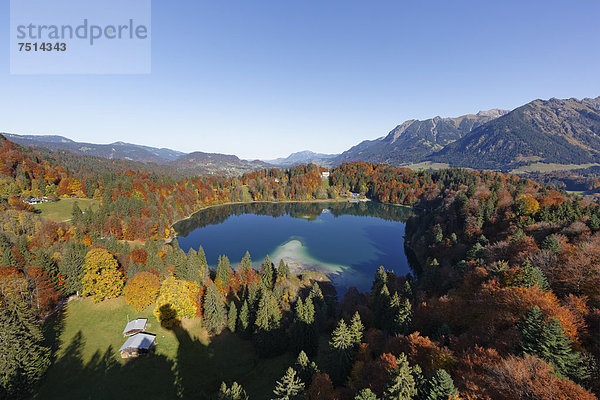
<point>141,290</point>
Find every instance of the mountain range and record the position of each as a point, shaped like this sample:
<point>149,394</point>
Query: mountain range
<point>304,157</point>
<point>543,131</point>
<point>414,140</point>
<point>118,150</point>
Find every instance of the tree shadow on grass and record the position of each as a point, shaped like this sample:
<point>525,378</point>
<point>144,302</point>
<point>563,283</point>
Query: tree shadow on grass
<point>103,377</point>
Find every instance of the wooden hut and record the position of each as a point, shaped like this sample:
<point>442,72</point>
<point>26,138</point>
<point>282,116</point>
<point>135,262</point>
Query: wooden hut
<point>135,326</point>
<point>140,343</point>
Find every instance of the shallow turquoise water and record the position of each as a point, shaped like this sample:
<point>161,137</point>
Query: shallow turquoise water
<point>346,241</point>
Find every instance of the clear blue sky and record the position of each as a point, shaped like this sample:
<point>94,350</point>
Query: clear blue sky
<point>262,79</point>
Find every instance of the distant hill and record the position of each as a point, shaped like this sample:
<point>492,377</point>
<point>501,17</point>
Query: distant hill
<point>413,140</point>
<point>548,131</point>
<point>303,157</point>
<point>215,164</point>
<point>117,150</point>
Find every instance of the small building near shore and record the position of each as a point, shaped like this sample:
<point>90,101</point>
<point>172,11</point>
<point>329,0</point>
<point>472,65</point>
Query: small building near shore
<point>140,343</point>
<point>135,326</point>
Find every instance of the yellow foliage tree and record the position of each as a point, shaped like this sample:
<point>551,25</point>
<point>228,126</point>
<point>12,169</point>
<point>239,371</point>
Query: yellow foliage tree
<point>101,277</point>
<point>141,290</point>
<point>177,296</point>
<point>530,205</point>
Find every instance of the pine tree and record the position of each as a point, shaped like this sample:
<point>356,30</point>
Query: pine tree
<point>304,332</point>
<point>245,266</point>
<point>382,308</point>
<point>267,273</point>
<point>269,340</point>
<point>341,348</point>
<point>380,280</point>
<point>71,265</point>
<point>223,270</point>
<point>365,394</point>
<point>244,318</point>
<point>531,276</point>
<point>440,387</point>
<point>214,310</point>
<point>306,368</point>
<point>401,315</point>
<point>268,314</point>
<point>8,258</point>
<point>76,214</point>
<point>356,329</point>
<point>232,317</point>
<point>283,271</point>
<point>401,383</point>
<point>547,340</point>
<point>235,392</point>
<point>23,359</point>
<point>289,387</point>
<point>202,265</point>
<point>193,268</point>
<point>178,259</point>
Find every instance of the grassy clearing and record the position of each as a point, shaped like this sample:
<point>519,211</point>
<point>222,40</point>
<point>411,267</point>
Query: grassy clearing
<point>548,167</point>
<point>85,338</point>
<point>62,209</point>
<point>427,165</point>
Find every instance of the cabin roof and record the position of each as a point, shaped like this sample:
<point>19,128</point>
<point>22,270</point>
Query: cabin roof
<point>135,325</point>
<point>140,341</point>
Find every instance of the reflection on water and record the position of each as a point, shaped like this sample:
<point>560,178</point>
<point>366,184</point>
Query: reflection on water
<point>346,241</point>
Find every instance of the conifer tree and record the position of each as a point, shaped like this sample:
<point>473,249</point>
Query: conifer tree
<point>365,394</point>
<point>232,317</point>
<point>202,265</point>
<point>267,273</point>
<point>401,383</point>
<point>23,359</point>
<point>356,329</point>
<point>8,258</point>
<point>223,270</point>
<point>531,276</point>
<point>289,387</point>
<point>235,392</point>
<point>382,308</point>
<point>193,267</point>
<point>283,271</point>
<point>269,338</point>
<point>547,340</point>
<point>341,348</point>
<point>214,310</point>
<point>179,261</point>
<point>245,266</point>
<point>244,318</point>
<point>71,265</point>
<point>268,314</point>
<point>380,280</point>
<point>305,335</point>
<point>305,368</point>
<point>440,387</point>
<point>75,214</point>
<point>401,315</point>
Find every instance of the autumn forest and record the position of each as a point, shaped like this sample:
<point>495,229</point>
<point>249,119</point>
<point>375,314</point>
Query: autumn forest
<point>503,300</point>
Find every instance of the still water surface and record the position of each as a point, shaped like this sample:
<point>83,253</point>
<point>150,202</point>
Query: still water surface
<point>346,241</point>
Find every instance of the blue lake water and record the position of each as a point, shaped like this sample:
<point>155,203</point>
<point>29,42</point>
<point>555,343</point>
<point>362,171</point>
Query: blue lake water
<point>346,241</point>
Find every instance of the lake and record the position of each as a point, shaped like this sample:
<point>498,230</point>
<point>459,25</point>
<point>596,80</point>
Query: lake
<point>347,241</point>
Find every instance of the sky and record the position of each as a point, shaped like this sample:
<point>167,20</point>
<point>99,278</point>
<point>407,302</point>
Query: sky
<point>262,79</point>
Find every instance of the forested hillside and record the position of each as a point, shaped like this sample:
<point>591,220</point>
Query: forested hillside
<point>552,131</point>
